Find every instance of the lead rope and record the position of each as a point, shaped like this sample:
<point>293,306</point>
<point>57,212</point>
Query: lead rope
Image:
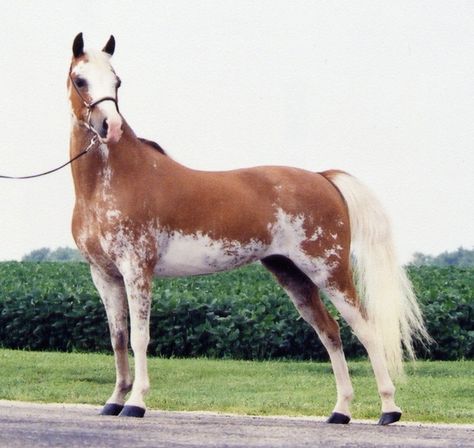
<point>93,141</point>
<point>86,123</point>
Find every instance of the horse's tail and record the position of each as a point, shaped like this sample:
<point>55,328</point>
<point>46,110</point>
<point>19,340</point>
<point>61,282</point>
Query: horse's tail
<point>383,286</point>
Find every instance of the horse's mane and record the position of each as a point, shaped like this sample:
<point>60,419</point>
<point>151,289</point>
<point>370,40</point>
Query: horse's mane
<point>154,145</point>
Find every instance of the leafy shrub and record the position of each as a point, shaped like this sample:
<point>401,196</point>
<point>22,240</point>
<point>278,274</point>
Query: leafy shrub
<point>447,298</point>
<point>240,314</point>
<point>50,306</point>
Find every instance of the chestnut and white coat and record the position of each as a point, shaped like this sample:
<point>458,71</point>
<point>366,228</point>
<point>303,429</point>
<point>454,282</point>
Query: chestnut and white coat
<point>139,214</point>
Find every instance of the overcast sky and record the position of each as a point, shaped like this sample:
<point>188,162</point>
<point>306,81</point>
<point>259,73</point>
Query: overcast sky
<point>382,89</point>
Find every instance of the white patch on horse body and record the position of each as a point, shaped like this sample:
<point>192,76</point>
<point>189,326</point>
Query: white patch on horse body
<point>122,244</point>
<point>107,195</point>
<point>333,252</point>
<point>104,150</point>
<point>317,234</point>
<point>113,214</point>
<point>333,236</point>
<point>198,253</point>
<point>288,234</point>
<point>106,179</point>
<point>128,252</point>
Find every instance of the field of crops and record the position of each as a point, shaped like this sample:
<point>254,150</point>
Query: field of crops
<point>241,314</point>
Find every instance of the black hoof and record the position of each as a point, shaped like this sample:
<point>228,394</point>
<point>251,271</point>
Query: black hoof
<point>111,409</point>
<point>336,417</point>
<point>132,411</point>
<point>389,417</point>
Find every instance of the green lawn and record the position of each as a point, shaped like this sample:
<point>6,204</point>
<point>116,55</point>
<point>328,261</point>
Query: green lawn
<point>433,391</point>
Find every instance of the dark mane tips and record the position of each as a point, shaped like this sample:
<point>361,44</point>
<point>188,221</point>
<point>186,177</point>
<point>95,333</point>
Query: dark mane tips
<point>154,145</point>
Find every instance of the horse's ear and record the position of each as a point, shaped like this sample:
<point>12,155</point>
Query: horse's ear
<point>109,46</point>
<point>78,46</point>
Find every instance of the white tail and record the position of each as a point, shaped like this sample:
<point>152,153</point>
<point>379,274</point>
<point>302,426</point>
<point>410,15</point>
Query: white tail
<point>383,286</point>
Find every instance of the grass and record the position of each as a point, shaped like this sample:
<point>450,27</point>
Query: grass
<point>433,392</point>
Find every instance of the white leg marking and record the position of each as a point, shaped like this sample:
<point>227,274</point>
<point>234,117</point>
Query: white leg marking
<point>366,334</point>
<point>345,391</point>
<point>139,301</point>
<point>112,293</point>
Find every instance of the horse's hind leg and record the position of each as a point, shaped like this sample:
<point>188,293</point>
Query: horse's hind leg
<point>305,295</point>
<point>342,293</point>
<point>112,293</point>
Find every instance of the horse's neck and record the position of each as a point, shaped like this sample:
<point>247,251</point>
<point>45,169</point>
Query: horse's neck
<point>90,170</point>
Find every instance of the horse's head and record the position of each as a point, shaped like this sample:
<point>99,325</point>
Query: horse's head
<point>93,87</point>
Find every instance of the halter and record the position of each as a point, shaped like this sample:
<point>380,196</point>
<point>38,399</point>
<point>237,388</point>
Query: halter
<point>91,105</point>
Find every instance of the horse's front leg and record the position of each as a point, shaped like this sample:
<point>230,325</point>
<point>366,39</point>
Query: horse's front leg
<point>138,283</point>
<point>114,298</point>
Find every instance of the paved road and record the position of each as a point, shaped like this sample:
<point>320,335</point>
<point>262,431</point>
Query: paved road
<point>34,425</point>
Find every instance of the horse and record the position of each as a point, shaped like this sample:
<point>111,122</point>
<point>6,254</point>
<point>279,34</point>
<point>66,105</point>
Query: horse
<point>139,214</point>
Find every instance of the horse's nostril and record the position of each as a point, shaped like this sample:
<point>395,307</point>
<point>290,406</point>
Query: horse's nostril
<point>103,129</point>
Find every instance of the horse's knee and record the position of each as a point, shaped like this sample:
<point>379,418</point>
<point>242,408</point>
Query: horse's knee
<point>139,342</point>
<point>120,340</point>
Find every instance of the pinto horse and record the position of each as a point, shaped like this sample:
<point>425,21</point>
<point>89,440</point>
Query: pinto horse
<point>139,214</point>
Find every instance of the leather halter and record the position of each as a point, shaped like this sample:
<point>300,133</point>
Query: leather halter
<point>90,105</point>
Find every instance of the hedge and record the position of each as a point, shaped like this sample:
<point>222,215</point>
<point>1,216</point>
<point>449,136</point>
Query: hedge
<point>241,314</point>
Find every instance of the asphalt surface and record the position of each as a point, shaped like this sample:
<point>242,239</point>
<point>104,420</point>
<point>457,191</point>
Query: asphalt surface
<point>70,426</point>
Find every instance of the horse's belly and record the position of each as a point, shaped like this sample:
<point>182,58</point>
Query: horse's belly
<point>198,254</point>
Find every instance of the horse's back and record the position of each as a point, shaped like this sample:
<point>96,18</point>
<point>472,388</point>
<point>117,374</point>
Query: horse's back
<point>236,217</point>
<point>244,202</point>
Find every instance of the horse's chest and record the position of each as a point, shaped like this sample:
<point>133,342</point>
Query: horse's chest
<point>86,235</point>
<point>90,223</point>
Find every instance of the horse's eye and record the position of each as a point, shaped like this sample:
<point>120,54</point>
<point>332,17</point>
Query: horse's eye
<point>80,82</point>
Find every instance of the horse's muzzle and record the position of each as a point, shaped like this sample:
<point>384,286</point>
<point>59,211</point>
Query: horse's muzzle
<point>111,131</point>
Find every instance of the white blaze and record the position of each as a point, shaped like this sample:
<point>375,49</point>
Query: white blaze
<point>101,83</point>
